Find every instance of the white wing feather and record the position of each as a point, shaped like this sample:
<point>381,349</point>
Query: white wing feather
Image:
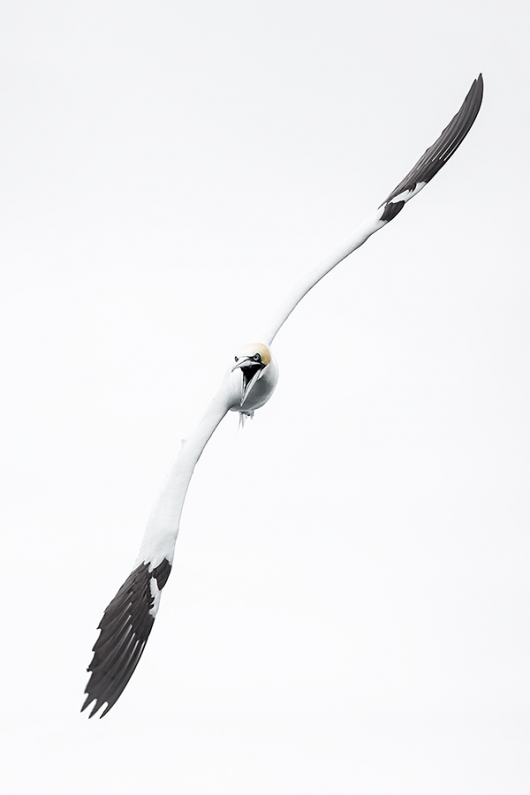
<point>163,525</point>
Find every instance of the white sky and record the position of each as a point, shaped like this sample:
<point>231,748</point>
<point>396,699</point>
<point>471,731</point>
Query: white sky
<point>349,606</point>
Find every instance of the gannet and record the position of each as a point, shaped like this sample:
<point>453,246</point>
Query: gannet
<point>248,384</point>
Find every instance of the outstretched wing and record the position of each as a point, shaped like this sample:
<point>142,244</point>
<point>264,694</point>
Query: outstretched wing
<point>128,620</point>
<point>425,169</point>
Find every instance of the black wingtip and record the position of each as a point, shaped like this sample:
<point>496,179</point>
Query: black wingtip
<point>437,155</point>
<point>124,630</point>
<point>88,701</point>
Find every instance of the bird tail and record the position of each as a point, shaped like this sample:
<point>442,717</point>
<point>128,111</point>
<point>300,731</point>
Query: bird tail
<point>243,417</point>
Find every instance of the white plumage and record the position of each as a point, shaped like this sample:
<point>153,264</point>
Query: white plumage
<point>247,385</point>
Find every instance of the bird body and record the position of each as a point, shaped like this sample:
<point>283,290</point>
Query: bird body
<point>247,385</point>
<point>258,379</point>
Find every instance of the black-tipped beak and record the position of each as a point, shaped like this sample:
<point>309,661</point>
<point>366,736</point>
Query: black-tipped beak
<point>241,362</point>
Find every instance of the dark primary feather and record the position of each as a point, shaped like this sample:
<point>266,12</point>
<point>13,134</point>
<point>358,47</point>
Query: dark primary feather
<point>439,153</point>
<point>125,628</point>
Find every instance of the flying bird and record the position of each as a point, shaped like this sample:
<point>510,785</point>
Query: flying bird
<point>248,384</point>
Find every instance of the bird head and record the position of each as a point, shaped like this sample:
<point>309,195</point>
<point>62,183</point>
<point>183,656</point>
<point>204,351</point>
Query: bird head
<point>252,359</point>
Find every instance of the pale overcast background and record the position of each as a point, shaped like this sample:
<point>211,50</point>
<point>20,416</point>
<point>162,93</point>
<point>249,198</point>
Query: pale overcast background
<point>349,610</point>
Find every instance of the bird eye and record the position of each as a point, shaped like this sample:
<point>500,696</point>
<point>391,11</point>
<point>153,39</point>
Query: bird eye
<point>257,357</point>
<point>236,358</point>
